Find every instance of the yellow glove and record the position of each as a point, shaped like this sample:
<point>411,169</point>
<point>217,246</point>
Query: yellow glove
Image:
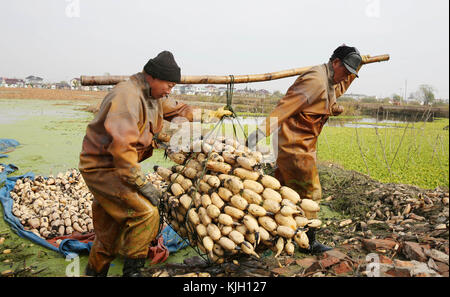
<point>218,114</point>
<point>337,110</point>
<point>364,60</point>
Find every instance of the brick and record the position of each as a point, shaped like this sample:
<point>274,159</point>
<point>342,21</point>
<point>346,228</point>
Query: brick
<point>439,256</point>
<point>422,269</point>
<point>342,268</point>
<point>336,254</point>
<point>285,271</point>
<point>403,264</point>
<point>442,267</point>
<point>328,261</point>
<point>431,264</point>
<point>422,274</point>
<point>289,261</point>
<point>280,270</point>
<point>385,260</point>
<point>314,267</point>
<point>379,244</point>
<point>306,262</point>
<point>413,251</point>
<point>398,272</point>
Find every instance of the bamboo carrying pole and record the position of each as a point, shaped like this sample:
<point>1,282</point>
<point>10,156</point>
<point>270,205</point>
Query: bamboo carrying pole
<point>215,79</point>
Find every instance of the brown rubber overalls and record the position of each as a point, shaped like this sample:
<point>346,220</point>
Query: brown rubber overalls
<point>118,138</point>
<point>301,114</point>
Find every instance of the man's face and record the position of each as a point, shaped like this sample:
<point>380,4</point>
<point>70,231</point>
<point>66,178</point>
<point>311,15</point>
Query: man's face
<point>340,72</point>
<point>160,88</point>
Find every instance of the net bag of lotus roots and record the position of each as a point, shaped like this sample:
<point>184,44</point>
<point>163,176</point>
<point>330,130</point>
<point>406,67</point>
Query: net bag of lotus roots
<point>219,198</point>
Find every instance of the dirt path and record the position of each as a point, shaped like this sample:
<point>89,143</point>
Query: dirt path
<point>46,94</point>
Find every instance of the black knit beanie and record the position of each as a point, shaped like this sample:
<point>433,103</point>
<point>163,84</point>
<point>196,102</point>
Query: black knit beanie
<point>164,67</point>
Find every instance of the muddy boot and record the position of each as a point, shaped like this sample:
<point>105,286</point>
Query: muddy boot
<point>132,267</point>
<point>91,272</point>
<point>315,247</point>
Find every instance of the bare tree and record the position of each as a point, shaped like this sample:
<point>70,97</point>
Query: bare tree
<point>426,94</point>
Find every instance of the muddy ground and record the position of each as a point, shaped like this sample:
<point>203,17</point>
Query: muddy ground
<point>350,198</point>
<point>403,226</point>
<point>348,195</point>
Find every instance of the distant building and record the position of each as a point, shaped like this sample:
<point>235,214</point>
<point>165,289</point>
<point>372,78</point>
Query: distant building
<point>262,93</point>
<point>63,85</point>
<point>187,89</point>
<point>201,90</point>
<point>176,90</point>
<point>105,88</point>
<point>34,80</point>
<point>222,91</point>
<point>356,96</point>
<point>13,83</point>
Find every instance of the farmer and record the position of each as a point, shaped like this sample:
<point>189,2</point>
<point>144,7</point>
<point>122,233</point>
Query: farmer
<point>301,114</point>
<point>122,134</point>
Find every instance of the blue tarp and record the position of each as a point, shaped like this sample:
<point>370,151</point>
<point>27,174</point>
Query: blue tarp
<point>172,240</point>
<point>68,247</point>
<point>6,145</point>
<point>7,202</point>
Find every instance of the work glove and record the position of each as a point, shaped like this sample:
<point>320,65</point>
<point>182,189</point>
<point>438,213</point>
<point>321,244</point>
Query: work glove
<point>364,59</point>
<point>162,137</point>
<point>217,114</point>
<point>255,137</point>
<point>337,110</point>
<point>149,191</point>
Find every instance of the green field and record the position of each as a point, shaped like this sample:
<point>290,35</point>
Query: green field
<point>414,153</point>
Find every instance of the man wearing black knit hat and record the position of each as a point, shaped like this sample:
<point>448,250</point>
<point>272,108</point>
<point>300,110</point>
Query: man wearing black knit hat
<point>301,115</point>
<point>122,134</point>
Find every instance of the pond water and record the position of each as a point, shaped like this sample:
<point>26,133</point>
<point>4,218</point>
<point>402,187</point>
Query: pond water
<point>12,110</point>
<point>358,122</point>
<point>49,132</point>
<point>364,123</point>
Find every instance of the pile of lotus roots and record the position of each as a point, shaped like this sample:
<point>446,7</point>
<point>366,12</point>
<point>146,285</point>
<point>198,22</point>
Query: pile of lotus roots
<point>219,198</point>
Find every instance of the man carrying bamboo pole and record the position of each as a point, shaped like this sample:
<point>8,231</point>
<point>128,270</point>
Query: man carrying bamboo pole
<point>301,115</point>
<point>122,134</point>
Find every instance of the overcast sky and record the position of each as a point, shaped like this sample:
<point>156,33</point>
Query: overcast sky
<point>62,39</point>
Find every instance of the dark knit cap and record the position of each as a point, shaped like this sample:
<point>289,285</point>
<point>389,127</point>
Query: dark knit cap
<point>164,67</point>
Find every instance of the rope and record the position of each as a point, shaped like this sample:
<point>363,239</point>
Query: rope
<point>234,118</point>
<point>229,106</point>
<point>229,93</point>
<point>186,225</point>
